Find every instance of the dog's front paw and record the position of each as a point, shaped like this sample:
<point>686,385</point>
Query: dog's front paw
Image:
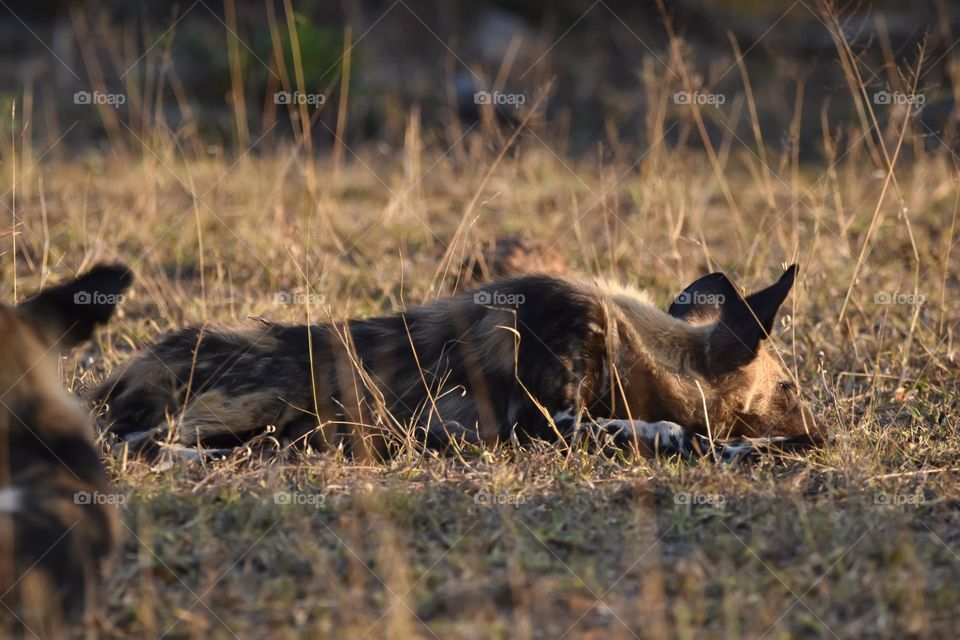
<point>732,453</point>
<point>661,437</point>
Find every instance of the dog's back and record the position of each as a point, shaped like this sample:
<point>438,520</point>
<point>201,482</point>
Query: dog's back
<point>58,524</point>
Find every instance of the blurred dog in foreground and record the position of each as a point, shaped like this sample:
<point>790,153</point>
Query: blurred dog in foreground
<point>57,521</point>
<point>540,356</point>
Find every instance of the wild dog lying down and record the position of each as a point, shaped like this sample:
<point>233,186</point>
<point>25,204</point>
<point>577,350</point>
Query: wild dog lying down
<point>56,529</point>
<point>532,357</point>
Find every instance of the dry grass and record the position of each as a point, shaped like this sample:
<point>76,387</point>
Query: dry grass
<point>534,543</point>
<point>573,544</point>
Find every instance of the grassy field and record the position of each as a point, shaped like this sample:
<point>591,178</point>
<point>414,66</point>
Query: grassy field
<point>858,540</point>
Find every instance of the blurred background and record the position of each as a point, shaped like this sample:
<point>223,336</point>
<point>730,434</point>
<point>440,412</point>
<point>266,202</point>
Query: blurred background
<point>602,74</point>
<point>304,161</point>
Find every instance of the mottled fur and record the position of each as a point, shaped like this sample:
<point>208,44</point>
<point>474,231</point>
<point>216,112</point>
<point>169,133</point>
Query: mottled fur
<point>483,367</point>
<point>56,533</point>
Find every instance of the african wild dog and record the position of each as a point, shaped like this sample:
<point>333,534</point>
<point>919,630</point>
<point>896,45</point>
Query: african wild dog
<point>57,524</point>
<point>531,357</point>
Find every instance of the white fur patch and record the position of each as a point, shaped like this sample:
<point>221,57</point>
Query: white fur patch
<point>10,500</point>
<point>643,429</point>
<point>173,453</point>
<point>663,434</point>
<point>733,452</point>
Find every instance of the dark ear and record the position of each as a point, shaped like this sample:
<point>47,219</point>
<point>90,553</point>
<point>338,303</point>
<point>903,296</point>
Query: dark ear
<point>67,314</point>
<point>766,303</point>
<point>743,323</point>
<point>703,298</point>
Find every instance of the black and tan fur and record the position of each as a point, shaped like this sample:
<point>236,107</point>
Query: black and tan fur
<point>531,357</point>
<point>56,532</point>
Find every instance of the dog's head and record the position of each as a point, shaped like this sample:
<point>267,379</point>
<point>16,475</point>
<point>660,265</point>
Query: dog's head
<point>35,332</point>
<point>752,393</point>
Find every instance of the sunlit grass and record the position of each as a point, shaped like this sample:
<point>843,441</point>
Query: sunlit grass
<point>856,540</point>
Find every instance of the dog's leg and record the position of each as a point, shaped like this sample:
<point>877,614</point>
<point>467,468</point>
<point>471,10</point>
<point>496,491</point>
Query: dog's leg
<point>669,438</point>
<point>652,438</point>
<point>751,449</point>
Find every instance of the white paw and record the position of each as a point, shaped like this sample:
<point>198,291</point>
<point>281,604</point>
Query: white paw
<point>663,435</point>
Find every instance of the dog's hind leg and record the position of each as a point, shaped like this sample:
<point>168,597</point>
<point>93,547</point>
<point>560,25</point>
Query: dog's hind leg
<point>218,418</point>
